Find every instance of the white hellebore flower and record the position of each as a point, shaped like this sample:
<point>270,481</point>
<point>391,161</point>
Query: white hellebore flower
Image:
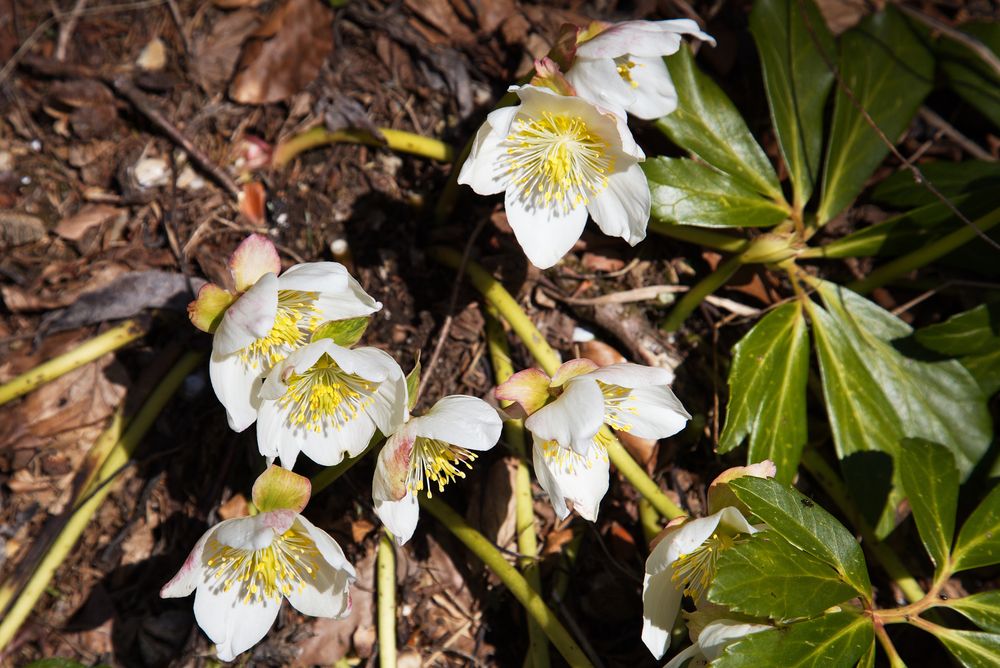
<point>711,641</point>
<point>267,318</point>
<point>558,158</point>
<point>684,556</point>
<point>622,65</point>
<point>430,450</point>
<point>242,568</point>
<point>326,401</point>
<point>570,452</point>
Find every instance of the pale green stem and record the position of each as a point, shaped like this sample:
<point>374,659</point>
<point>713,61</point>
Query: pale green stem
<point>925,254</point>
<point>87,352</point>
<point>700,236</point>
<point>112,467</point>
<point>549,360</point>
<point>649,519</point>
<point>397,140</point>
<point>386,592</point>
<point>696,295</point>
<point>890,650</point>
<point>532,601</point>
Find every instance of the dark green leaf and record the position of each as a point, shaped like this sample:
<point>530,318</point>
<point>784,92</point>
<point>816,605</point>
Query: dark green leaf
<point>837,639</point>
<point>982,609</point>
<point>969,76</point>
<point>805,525</point>
<point>978,542</point>
<point>973,338</point>
<point>867,659</point>
<point>797,80</point>
<point>767,391</point>
<point>708,124</point>
<point>875,396</point>
<point>973,649</point>
<point>890,72</point>
<point>766,576</point>
<point>930,481</point>
<point>686,192</point>
<point>345,332</point>
<point>951,179</point>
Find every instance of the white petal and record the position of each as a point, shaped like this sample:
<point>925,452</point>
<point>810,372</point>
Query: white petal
<point>547,481</point>
<point>236,384</point>
<point>270,435</point>
<point>627,374</point>
<point>332,445</point>
<point>583,483</point>
<point>329,548</point>
<point>682,541</point>
<point>256,532</point>
<point>650,412</point>
<point>573,419</point>
<point>369,363</point>
<point>234,626</point>
<point>733,519</point>
<point>654,93</point>
<point>661,601</point>
<point>598,81</point>
<point>460,420</point>
<point>485,169</point>
<point>641,38</point>
<point>327,592</point>
<point>622,208</point>
<point>389,410</point>
<point>340,295</point>
<point>298,362</point>
<point>191,572</point>
<point>718,635</point>
<point>545,233</point>
<point>248,318</point>
<point>399,517</point>
<point>691,652</point>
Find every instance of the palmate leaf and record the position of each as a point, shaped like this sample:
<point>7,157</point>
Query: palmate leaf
<point>982,609</point>
<point>875,396</point>
<point>978,541</point>
<point>767,391</point>
<point>890,72</point>
<point>930,481</point>
<point>973,338</point>
<point>805,525</point>
<point>686,192</point>
<point>768,577</point>
<point>973,649</point>
<point>708,124</point>
<point>797,80</point>
<point>836,639</point>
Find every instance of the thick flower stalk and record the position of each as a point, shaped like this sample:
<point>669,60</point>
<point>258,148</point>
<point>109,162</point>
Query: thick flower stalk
<point>267,317</point>
<point>326,401</point>
<point>559,158</point>
<point>620,65</point>
<point>567,412</point>
<point>430,451</point>
<point>242,568</point>
<point>684,557</point>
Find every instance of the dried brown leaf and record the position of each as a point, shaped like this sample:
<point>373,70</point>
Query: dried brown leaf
<point>91,216</point>
<point>215,53</point>
<point>17,228</point>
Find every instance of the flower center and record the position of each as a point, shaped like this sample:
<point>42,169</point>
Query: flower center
<point>268,573</point>
<point>436,461</point>
<point>326,395</point>
<point>624,66</point>
<point>616,407</point>
<point>566,459</point>
<point>557,160</point>
<point>695,570</point>
<point>296,317</point>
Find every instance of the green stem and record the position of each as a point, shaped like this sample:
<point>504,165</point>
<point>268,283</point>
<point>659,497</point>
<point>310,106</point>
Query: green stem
<point>87,352</point>
<point>836,490</point>
<point>699,235</point>
<point>890,650</point>
<point>689,302</point>
<point>397,140</point>
<point>649,519</point>
<point>385,585</point>
<point>518,586</point>
<point>925,254</point>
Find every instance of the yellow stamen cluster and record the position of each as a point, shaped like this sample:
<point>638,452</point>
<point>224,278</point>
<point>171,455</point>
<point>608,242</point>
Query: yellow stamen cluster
<point>435,461</point>
<point>297,316</point>
<point>624,66</point>
<point>616,408</point>
<point>557,160</point>
<point>269,573</point>
<point>568,458</point>
<point>325,395</point>
<point>694,571</point>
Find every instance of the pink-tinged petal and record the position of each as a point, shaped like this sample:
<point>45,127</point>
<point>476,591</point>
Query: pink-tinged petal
<point>641,38</point>
<point>236,384</point>
<point>233,624</point>
<point>569,479</point>
<point>661,602</point>
<point>252,259</point>
<point>485,170</point>
<point>192,571</point>
<point>648,412</point>
<point>622,208</point>
<point>573,419</point>
<point>627,374</point>
<point>528,388</point>
<point>460,420</point>
<point>207,309</point>
<point>545,232</point>
<point>654,93</point>
<point>571,369</point>
<point>393,467</point>
<point>721,496</point>
<point>280,489</point>
<point>399,517</point>
<point>249,318</point>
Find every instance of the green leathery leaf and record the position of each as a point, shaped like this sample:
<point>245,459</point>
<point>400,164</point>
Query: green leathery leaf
<point>835,639</point>
<point>766,576</point>
<point>930,481</point>
<point>890,72</point>
<point>767,391</point>
<point>973,649</point>
<point>797,519</point>
<point>968,74</point>
<point>875,396</point>
<point>797,80</point>
<point>707,123</point>
<point>686,192</point>
<point>972,337</point>
<point>951,179</point>
<point>982,609</point>
<point>978,541</point>
<point>867,659</point>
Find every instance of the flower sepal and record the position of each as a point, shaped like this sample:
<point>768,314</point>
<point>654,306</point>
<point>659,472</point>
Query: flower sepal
<point>209,306</point>
<point>344,332</point>
<point>278,488</point>
<point>720,495</point>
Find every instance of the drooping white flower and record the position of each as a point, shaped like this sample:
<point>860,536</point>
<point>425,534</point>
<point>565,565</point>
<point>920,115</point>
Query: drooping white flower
<point>430,450</point>
<point>558,158</point>
<point>326,401</point>
<point>268,317</point>
<point>570,451</point>
<point>621,64</point>
<point>709,643</point>
<point>242,568</point>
